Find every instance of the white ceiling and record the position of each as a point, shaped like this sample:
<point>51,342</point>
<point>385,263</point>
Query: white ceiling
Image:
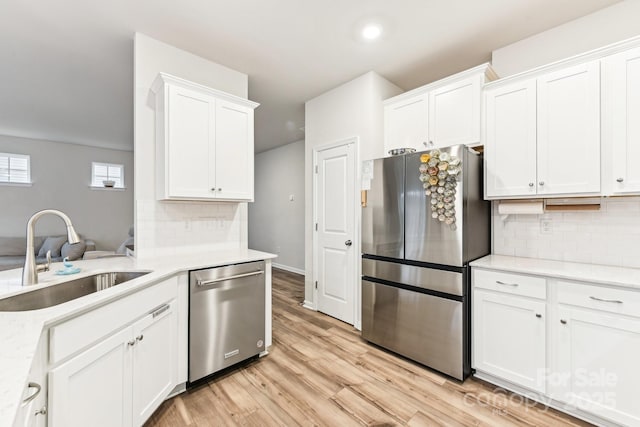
<point>66,70</point>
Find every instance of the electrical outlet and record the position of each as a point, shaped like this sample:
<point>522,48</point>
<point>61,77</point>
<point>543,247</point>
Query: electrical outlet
<point>546,225</point>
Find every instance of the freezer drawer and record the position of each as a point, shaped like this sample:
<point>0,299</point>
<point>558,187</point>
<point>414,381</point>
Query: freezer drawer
<point>449,282</point>
<point>226,317</point>
<point>421,327</point>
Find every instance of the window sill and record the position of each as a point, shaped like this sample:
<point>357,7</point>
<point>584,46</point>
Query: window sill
<point>17,184</point>
<point>95,187</point>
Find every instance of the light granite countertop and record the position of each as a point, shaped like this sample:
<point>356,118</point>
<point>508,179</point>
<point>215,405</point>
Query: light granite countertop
<point>20,331</point>
<point>593,273</point>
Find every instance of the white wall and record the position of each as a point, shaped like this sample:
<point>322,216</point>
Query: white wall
<point>166,228</point>
<point>353,109</point>
<point>606,26</point>
<point>61,174</point>
<point>276,224</point>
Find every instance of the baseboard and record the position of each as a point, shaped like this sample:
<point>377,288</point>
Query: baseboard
<point>287,268</point>
<point>309,305</point>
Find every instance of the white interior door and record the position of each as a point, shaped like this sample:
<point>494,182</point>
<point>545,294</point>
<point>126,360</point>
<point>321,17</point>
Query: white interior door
<point>335,218</point>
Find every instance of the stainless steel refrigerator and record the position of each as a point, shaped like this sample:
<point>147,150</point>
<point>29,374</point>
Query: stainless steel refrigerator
<point>420,228</point>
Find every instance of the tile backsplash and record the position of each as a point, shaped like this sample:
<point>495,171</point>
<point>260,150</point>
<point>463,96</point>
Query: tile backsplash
<point>609,236</point>
<point>172,228</point>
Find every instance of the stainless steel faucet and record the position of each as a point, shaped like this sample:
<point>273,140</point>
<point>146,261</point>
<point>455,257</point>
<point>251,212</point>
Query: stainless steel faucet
<point>30,271</point>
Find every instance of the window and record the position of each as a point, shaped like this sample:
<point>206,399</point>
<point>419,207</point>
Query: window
<point>101,172</point>
<point>15,168</point>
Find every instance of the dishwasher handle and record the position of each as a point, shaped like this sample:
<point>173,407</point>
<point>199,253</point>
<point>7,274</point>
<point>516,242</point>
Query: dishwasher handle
<point>203,283</point>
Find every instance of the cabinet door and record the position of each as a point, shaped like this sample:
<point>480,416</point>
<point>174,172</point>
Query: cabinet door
<point>510,140</point>
<point>406,124</point>
<point>509,338</point>
<point>569,130</point>
<point>190,144</point>
<point>621,121</point>
<point>154,360</point>
<point>454,113</point>
<point>234,151</point>
<point>94,388</point>
<point>597,363</point>
<point>32,411</point>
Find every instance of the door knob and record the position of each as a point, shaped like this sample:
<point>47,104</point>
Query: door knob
<point>541,183</point>
<point>348,243</point>
<point>531,184</point>
<point>620,179</point>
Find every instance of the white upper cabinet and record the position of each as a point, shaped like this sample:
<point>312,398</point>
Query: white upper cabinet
<point>454,112</point>
<point>443,113</point>
<point>542,135</point>
<point>406,124</point>
<point>510,150</point>
<point>204,142</point>
<point>621,122</point>
<point>190,145</point>
<point>569,130</point>
<point>587,131</point>
<point>234,123</point>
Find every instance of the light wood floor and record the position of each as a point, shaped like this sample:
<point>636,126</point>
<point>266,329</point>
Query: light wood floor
<point>321,373</point>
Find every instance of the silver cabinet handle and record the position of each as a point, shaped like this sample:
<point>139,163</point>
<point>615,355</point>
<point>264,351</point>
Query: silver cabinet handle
<point>131,343</point>
<point>219,189</point>
<point>620,179</point>
<point>506,284</point>
<point>159,311</point>
<point>538,315</point>
<point>213,189</point>
<point>564,322</point>
<point>615,301</point>
<point>531,184</point>
<point>38,388</point>
<point>348,243</point>
<point>541,183</point>
<point>140,337</point>
<point>223,279</point>
<point>41,411</point>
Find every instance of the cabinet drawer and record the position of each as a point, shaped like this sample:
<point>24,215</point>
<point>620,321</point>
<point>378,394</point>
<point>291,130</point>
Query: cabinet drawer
<point>601,298</point>
<point>76,334</point>
<point>510,283</point>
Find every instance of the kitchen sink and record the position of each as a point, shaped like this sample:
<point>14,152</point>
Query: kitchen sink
<point>67,291</point>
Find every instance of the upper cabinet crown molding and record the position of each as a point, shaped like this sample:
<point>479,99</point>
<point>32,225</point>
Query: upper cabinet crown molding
<point>486,69</point>
<point>442,113</point>
<point>163,79</point>
<point>592,55</point>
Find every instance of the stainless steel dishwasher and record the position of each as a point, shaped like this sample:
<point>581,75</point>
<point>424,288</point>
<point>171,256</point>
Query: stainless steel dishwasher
<point>226,317</point>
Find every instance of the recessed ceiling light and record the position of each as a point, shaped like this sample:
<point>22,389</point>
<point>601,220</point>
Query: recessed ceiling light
<point>371,31</point>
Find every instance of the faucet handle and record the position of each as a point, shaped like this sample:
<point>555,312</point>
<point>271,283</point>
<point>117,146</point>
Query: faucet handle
<point>47,266</point>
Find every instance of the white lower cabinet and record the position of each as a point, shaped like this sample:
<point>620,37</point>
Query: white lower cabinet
<point>154,361</point>
<point>597,363</point>
<point>518,323</point>
<point>121,380</point>
<point>33,408</point>
<point>577,351</point>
